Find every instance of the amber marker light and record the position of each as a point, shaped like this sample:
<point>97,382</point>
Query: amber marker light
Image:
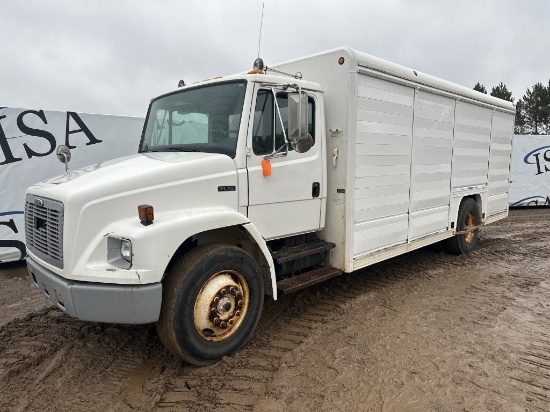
<point>146,214</point>
<point>341,61</point>
<point>266,167</point>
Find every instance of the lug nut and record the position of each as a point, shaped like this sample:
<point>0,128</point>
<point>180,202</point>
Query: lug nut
<point>213,310</point>
<point>223,325</point>
<point>240,303</point>
<point>238,313</point>
<point>223,292</point>
<point>216,299</point>
<point>231,322</point>
<point>238,294</point>
<point>216,321</point>
<point>232,290</point>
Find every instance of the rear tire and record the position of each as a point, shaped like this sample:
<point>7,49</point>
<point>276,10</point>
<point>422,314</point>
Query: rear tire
<point>468,216</point>
<point>212,301</point>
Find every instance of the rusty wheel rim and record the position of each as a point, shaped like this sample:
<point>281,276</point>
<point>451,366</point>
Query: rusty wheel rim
<point>469,222</point>
<point>221,306</point>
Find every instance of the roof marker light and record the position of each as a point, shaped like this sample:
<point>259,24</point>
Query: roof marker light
<point>258,67</point>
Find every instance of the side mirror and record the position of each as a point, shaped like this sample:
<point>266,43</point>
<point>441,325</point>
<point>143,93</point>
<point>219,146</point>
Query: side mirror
<point>64,155</point>
<point>298,135</point>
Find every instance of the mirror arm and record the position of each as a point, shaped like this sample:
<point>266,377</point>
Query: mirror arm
<point>298,75</point>
<point>279,150</point>
<point>281,121</point>
<point>66,161</point>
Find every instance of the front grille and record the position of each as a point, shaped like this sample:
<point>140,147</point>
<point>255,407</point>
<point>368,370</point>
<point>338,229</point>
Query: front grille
<point>44,229</point>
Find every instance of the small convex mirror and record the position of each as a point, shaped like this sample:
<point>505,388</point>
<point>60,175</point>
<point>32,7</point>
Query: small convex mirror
<point>63,153</point>
<point>298,135</point>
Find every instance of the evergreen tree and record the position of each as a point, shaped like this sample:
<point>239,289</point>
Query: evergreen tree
<point>502,92</point>
<point>520,123</point>
<point>536,109</point>
<point>480,88</point>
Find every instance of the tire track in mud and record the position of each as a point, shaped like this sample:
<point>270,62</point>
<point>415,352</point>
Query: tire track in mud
<point>239,382</point>
<point>51,362</point>
<point>63,364</point>
<point>530,374</point>
<point>506,304</point>
<point>478,328</point>
<point>533,373</point>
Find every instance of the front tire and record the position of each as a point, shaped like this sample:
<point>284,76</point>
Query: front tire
<point>468,217</point>
<point>212,301</point>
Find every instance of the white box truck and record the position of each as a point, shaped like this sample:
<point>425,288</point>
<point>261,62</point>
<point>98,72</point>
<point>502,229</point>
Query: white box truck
<point>263,183</point>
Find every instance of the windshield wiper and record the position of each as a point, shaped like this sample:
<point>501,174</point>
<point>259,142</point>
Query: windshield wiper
<point>182,149</point>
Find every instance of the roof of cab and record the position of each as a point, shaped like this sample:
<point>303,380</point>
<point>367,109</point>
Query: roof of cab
<point>267,79</point>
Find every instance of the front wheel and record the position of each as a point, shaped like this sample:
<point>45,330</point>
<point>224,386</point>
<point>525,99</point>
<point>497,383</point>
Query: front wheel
<point>468,218</point>
<point>212,301</point>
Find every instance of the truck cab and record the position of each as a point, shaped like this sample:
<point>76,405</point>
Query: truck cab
<point>229,171</point>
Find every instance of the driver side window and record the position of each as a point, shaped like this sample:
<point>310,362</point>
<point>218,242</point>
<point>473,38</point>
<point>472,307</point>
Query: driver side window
<point>267,133</point>
<point>262,129</point>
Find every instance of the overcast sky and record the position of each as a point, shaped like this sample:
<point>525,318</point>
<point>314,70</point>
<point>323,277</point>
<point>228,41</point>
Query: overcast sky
<point>113,56</point>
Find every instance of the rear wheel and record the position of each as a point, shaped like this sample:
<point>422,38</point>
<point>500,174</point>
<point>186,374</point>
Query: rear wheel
<point>212,301</point>
<point>468,217</point>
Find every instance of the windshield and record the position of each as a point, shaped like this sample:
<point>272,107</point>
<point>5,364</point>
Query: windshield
<point>204,119</point>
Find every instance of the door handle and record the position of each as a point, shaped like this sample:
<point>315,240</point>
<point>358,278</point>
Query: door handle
<point>315,189</point>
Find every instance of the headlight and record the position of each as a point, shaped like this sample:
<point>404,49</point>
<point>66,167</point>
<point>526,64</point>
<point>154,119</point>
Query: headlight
<point>119,252</point>
<point>126,250</point>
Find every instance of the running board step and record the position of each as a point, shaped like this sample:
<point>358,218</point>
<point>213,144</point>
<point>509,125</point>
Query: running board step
<point>297,252</point>
<point>304,280</point>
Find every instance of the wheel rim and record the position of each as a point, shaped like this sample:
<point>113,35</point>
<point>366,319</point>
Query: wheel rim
<point>221,306</point>
<point>469,222</point>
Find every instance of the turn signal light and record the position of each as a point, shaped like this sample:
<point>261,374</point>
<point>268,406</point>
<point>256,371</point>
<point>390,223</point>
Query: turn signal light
<point>146,214</point>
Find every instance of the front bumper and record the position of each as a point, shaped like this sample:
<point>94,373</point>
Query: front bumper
<point>99,302</point>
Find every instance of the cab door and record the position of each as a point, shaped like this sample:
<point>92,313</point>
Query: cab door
<point>289,201</point>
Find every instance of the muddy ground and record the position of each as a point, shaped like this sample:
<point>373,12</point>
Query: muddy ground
<point>426,331</point>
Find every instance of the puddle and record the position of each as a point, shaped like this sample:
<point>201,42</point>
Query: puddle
<point>134,394</point>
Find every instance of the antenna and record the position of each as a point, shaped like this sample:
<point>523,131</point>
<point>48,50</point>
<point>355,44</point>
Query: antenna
<point>261,24</point>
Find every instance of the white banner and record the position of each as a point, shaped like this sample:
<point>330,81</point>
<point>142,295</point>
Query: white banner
<point>530,171</point>
<point>28,139</point>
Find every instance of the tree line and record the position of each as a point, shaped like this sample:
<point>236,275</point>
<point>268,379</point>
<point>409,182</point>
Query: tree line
<point>532,110</point>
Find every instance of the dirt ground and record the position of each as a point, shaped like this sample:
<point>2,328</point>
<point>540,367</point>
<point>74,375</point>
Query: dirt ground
<point>426,331</point>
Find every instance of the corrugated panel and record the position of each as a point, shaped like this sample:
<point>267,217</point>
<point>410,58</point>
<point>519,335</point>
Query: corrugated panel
<point>497,204</point>
<point>373,139</point>
<point>499,162</point>
<point>471,145</point>
<point>392,199</point>
<point>379,191</point>
<point>375,181</point>
<point>384,106</point>
<point>432,151</point>
<point>406,169</point>
<point>379,233</point>
<point>373,212</point>
<point>428,221</point>
<point>378,170</point>
<point>383,164</point>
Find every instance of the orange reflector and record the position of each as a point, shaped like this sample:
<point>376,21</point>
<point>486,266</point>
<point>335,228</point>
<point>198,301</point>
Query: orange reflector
<point>266,167</point>
<point>256,71</point>
<point>146,214</point>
